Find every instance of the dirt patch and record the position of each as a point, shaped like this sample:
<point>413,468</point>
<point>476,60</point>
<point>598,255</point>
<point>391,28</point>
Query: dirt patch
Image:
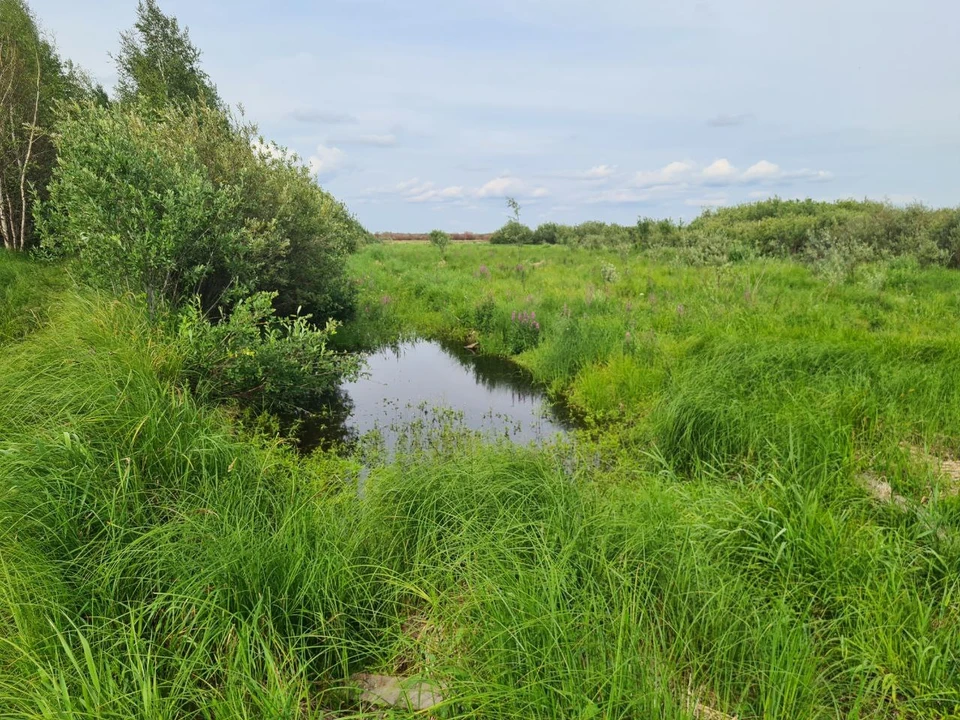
<point>412,694</point>
<point>702,711</point>
<point>881,490</point>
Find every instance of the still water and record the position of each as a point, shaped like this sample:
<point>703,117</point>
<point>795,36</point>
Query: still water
<point>428,384</point>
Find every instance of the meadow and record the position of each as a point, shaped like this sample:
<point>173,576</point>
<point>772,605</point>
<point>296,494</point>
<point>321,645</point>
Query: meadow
<point>760,518</point>
<point>757,515</point>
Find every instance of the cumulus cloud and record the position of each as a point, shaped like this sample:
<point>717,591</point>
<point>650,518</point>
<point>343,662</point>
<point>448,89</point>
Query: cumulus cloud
<point>415,190</point>
<point>428,194</point>
<point>719,171</point>
<point>327,161</point>
<point>507,186</point>
<point>682,178</point>
<point>671,174</point>
<point>762,170</point>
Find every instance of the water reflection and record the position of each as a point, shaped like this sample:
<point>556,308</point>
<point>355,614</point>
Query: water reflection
<point>429,386</point>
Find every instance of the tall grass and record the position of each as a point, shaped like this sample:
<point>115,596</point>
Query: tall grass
<point>25,291</point>
<point>157,564</point>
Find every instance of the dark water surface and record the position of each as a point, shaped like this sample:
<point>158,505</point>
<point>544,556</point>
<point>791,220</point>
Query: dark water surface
<point>429,385</point>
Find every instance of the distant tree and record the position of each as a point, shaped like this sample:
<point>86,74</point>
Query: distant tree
<point>159,65</point>
<point>440,240</point>
<point>512,233</point>
<point>547,234</point>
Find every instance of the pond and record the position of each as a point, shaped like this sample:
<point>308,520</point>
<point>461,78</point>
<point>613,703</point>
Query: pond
<point>428,386</point>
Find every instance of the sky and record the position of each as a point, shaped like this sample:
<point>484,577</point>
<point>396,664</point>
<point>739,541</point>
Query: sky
<point>423,114</point>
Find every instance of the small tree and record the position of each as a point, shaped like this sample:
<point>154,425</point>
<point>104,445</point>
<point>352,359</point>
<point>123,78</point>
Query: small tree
<point>440,240</point>
<point>159,65</point>
<point>514,232</point>
<point>514,210</point>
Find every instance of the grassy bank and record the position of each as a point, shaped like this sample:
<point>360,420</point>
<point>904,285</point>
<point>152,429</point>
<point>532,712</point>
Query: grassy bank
<point>714,547</point>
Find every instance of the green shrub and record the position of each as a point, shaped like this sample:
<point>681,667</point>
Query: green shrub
<point>176,202</point>
<point>260,359</point>
<point>513,233</point>
<point>547,234</point>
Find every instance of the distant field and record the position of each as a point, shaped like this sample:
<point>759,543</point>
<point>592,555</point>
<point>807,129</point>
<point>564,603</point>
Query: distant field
<point>423,237</point>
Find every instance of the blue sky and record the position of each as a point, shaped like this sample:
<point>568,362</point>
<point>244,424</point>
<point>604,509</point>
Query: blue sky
<point>427,113</point>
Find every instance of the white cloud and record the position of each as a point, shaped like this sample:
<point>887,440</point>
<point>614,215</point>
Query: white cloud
<point>454,192</point>
<point>686,181</point>
<point>327,160</point>
<point>671,174</point>
<point>719,171</point>
<point>599,172</point>
<point>415,190</point>
<point>506,186</point>
<point>762,170</point>
<point>501,187</point>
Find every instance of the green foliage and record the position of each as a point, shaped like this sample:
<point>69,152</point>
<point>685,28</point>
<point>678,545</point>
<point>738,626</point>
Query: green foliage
<point>842,235</point>
<point>440,240</point>
<point>285,208</point>
<point>159,65</point>
<point>175,202</point>
<point>547,234</point>
<point>259,359</point>
<point>513,233</point>
<point>869,230</point>
<point>134,200</point>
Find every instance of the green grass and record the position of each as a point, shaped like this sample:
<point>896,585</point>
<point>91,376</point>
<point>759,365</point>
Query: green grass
<point>709,540</point>
<point>713,365</point>
<point>25,292</point>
